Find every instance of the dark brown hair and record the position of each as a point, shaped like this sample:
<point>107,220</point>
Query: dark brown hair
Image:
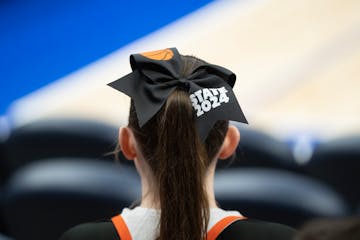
<point>178,160</point>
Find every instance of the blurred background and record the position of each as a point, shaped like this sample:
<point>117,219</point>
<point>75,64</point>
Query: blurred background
<point>297,65</point>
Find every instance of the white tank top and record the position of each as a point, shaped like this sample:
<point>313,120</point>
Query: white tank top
<point>143,223</point>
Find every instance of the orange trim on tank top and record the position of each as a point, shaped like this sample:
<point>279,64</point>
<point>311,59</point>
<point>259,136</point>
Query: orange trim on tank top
<point>215,231</point>
<point>121,228</point>
<point>212,234</point>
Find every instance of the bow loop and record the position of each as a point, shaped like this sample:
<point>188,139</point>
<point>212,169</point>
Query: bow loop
<point>156,65</point>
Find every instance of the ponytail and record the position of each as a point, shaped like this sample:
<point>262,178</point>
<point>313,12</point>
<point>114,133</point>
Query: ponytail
<point>183,163</point>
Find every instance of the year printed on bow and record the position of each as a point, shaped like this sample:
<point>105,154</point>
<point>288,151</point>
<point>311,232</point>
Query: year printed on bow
<point>206,99</point>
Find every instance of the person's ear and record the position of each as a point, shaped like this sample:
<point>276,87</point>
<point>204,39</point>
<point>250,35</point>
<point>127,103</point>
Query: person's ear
<point>127,143</point>
<point>230,143</point>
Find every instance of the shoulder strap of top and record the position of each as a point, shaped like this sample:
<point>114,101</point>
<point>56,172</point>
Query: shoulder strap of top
<point>121,228</point>
<point>215,231</point>
<point>212,234</point>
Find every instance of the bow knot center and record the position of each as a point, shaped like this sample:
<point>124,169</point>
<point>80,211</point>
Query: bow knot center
<point>184,84</point>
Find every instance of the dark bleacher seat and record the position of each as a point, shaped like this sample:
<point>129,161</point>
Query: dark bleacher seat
<point>3,172</point>
<point>59,138</point>
<point>4,132</point>
<point>276,195</point>
<point>3,169</point>
<point>3,228</point>
<point>3,237</point>
<point>257,149</point>
<point>47,197</point>
<point>337,163</point>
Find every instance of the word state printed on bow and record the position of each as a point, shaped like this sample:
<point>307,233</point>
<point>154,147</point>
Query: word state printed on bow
<point>205,99</point>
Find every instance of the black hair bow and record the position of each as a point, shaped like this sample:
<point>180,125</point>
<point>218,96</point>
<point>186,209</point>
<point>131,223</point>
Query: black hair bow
<point>157,74</point>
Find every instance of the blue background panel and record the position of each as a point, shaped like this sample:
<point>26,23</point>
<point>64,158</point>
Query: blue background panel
<point>41,41</point>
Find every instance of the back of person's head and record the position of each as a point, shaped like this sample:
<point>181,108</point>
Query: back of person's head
<point>331,229</point>
<point>178,160</point>
<point>175,152</point>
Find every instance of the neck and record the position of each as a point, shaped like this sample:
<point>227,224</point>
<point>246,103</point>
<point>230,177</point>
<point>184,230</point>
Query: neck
<point>149,198</point>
